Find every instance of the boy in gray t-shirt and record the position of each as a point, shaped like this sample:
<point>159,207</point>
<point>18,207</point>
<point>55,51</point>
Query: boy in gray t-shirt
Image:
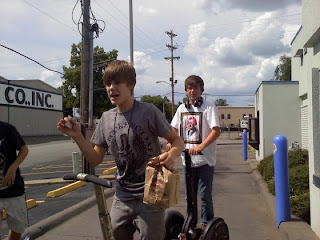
<point>130,131</point>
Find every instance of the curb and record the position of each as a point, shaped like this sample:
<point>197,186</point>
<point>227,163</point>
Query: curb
<point>45,225</point>
<point>296,229</point>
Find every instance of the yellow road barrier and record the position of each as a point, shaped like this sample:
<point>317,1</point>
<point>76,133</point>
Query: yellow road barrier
<point>31,203</point>
<point>110,171</point>
<point>66,189</point>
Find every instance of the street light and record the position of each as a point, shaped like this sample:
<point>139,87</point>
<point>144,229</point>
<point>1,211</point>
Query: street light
<point>172,93</point>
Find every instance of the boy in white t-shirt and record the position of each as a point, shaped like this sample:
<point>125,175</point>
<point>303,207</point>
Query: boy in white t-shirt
<point>197,122</point>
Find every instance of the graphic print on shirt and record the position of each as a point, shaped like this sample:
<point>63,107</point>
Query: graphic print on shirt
<point>2,166</point>
<point>191,127</point>
<point>130,156</point>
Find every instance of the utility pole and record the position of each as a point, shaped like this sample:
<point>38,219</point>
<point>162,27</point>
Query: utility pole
<point>172,58</point>
<point>85,60</point>
<point>131,32</point>
<point>84,84</point>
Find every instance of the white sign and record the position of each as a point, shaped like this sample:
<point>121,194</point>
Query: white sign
<point>31,98</point>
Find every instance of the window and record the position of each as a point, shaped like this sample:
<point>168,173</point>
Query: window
<point>250,115</point>
<point>229,116</point>
<point>222,116</point>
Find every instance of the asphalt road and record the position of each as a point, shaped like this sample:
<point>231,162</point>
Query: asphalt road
<point>53,160</point>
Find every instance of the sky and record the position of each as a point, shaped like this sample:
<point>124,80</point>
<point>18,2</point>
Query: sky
<point>233,45</point>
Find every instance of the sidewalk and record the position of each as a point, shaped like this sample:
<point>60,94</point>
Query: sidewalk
<point>240,198</point>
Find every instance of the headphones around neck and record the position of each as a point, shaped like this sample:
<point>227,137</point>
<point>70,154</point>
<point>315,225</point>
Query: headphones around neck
<point>197,103</point>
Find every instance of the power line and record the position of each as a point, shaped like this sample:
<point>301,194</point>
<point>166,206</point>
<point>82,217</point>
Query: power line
<point>137,36</point>
<point>49,15</point>
<point>30,59</point>
<point>123,14</point>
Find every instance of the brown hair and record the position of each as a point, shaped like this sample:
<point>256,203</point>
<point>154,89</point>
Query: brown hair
<point>194,81</point>
<point>119,71</point>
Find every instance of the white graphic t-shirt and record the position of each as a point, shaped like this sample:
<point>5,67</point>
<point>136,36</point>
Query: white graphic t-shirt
<point>194,124</point>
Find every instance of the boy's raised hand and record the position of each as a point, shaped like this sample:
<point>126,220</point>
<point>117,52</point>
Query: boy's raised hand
<point>69,126</point>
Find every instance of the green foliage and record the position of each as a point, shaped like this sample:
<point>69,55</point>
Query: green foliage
<point>300,206</point>
<point>266,168</point>
<point>298,181</point>
<point>71,85</point>
<point>283,69</point>
<point>159,102</point>
<point>221,102</point>
<point>298,157</point>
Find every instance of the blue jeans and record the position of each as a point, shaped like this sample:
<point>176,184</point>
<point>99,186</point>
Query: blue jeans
<point>202,180</point>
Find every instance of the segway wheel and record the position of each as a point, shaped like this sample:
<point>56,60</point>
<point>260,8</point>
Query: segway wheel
<point>216,229</point>
<point>173,223</point>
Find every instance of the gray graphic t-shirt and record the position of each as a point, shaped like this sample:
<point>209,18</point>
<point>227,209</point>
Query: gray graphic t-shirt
<point>132,138</point>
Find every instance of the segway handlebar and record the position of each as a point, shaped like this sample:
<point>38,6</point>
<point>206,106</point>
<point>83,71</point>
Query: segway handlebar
<point>88,178</point>
<point>187,151</point>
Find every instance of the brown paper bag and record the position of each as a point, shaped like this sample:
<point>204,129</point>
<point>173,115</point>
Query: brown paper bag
<point>161,185</point>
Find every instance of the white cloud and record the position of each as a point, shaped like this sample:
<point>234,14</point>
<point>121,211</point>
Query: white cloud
<point>141,62</point>
<point>267,67</point>
<point>51,78</point>
<point>248,5</point>
<point>225,42</point>
<point>238,64</point>
<point>147,12</point>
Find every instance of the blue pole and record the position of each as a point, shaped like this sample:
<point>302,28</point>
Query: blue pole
<point>244,145</point>
<point>281,179</point>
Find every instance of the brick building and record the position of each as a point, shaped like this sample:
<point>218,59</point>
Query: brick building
<point>231,116</point>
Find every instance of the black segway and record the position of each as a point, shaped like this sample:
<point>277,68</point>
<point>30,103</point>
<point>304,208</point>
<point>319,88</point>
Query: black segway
<point>178,228</point>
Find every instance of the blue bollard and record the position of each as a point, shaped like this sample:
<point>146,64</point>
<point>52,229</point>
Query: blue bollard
<point>244,145</point>
<point>281,179</point>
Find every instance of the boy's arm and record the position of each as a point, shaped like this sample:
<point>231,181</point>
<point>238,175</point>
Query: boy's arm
<point>177,145</point>
<point>93,155</point>
<point>11,173</point>
<point>168,146</point>
<point>214,134</point>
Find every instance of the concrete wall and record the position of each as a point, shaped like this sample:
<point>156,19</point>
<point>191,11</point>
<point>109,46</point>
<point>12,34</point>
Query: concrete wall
<point>30,116</point>
<point>314,150</point>
<point>35,122</point>
<point>279,113</point>
<point>305,69</point>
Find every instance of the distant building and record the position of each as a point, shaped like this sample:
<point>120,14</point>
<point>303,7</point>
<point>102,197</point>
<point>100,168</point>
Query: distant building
<point>231,116</point>
<point>32,106</point>
<point>277,110</point>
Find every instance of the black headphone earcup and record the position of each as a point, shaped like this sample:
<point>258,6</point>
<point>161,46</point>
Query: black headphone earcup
<point>187,104</point>
<point>198,102</point>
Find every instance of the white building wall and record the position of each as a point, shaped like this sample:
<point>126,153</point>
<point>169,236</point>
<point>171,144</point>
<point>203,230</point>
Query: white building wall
<point>305,70</point>
<point>279,110</point>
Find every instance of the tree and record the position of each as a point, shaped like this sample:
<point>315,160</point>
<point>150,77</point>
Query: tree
<point>72,76</point>
<point>283,69</point>
<point>163,104</point>
<point>221,102</point>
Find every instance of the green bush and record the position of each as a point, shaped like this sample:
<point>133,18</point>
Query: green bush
<point>298,164</point>
<point>299,179</point>
<point>300,206</point>
<point>298,157</point>
<point>266,168</point>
